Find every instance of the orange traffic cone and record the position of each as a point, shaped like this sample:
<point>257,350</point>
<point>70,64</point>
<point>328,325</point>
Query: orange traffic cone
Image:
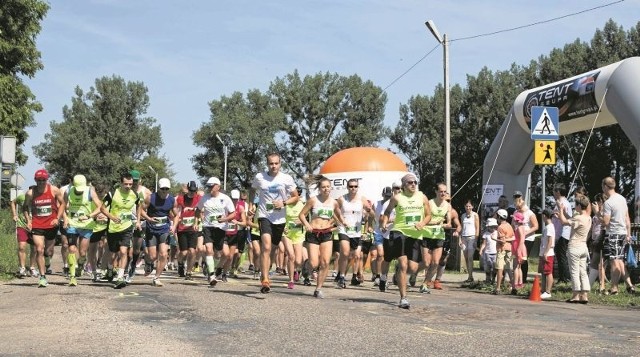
<point>535,290</point>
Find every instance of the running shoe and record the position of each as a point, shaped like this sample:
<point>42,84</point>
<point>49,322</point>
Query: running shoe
<point>424,289</point>
<point>79,270</point>
<point>35,273</point>
<point>212,280</point>
<point>223,277</point>
<point>196,269</point>
<point>341,283</point>
<point>109,275</point>
<point>412,279</point>
<point>42,283</point>
<point>278,270</point>
<point>306,282</point>
<point>65,271</point>
<point>404,303</point>
<point>22,272</point>
<point>156,282</point>
<point>545,295</point>
<point>120,283</point>
<point>181,270</point>
<point>250,267</point>
<point>296,276</point>
<point>48,270</point>
<point>354,281</point>
<point>132,273</point>
<point>373,278</point>
<point>383,285</point>
<point>188,276</point>
<point>376,281</point>
<point>290,285</point>
<point>73,281</point>
<point>437,285</point>
<point>96,277</point>
<point>148,268</point>
<point>318,294</point>
<point>266,287</point>
<point>127,279</point>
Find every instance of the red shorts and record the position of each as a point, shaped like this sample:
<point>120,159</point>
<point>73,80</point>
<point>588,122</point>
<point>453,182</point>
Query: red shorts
<point>545,266</point>
<point>23,235</point>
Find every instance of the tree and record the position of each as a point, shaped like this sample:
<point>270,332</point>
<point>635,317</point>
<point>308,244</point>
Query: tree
<point>323,114</point>
<point>19,26</point>
<point>103,133</point>
<point>248,126</point>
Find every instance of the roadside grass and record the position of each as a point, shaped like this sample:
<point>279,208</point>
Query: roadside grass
<point>560,291</point>
<point>8,246</point>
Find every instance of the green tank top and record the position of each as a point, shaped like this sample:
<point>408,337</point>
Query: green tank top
<point>122,207</point>
<point>79,206</point>
<point>409,211</point>
<point>255,231</point>
<point>21,223</point>
<point>435,230</point>
<point>98,226</point>
<point>291,215</point>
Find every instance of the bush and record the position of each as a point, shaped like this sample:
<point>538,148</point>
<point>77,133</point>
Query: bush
<point>8,245</point>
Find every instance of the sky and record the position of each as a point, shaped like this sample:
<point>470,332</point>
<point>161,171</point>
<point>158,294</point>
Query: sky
<point>189,53</point>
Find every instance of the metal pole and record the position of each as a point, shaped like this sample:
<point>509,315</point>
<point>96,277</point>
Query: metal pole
<point>544,191</point>
<point>226,152</point>
<point>155,172</point>
<point>447,115</point>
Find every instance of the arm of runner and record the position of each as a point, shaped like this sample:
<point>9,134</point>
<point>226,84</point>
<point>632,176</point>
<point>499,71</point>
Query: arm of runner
<point>176,217</point>
<point>14,212</point>
<point>338,213</point>
<point>62,210</point>
<point>303,214</point>
<point>384,218</point>
<point>28,197</point>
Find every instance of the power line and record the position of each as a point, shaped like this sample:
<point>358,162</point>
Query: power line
<point>499,32</point>
<point>537,23</point>
<point>410,68</point>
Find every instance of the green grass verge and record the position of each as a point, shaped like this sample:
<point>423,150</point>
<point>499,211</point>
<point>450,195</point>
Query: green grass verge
<point>8,246</point>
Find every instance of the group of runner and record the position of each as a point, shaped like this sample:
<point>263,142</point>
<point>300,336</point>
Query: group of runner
<point>114,228</point>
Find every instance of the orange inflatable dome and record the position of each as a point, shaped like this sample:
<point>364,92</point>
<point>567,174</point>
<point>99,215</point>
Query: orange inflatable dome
<point>363,159</point>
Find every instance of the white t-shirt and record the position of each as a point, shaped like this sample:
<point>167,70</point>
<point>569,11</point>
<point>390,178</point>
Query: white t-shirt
<point>469,224</point>
<point>527,224</point>
<point>548,235</point>
<point>269,189</point>
<point>490,245</point>
<point>616,207</point>
<point>215,207</point>
<point>380,208</point>
<point>566,230</point>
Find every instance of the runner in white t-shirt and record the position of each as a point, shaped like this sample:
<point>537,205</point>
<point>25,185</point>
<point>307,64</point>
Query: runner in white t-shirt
<point>275,190</point>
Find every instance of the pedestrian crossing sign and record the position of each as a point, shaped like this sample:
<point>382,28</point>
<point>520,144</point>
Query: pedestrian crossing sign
<point>544,152</point>
<point>545,123</point>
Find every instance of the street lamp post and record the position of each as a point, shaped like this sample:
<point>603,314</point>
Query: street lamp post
<point>226,152</point>
<point>447,107</point>
<point>155,172</point>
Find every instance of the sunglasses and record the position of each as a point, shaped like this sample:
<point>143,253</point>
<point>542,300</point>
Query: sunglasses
<point>412,182</point>
<point>351,186</point>
<point>397,188</point>
<point>164,189</point>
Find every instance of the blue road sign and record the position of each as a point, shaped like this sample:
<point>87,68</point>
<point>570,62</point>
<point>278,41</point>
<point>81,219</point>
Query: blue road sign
<point>545,124</point>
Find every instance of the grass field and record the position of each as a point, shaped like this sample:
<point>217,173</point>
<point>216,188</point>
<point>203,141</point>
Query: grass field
<point>8,246</point>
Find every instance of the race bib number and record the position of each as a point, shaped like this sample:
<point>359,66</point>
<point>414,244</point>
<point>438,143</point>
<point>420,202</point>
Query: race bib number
<point>350,229</point>
<point>232,227</point>
<point>269,207</point>
<point>42,211</point>
<point>160,221</point>
<point>292,225</point>
<point>125,217</point>
<point>188,221</point>
<point>323,212</point>
<point>78,214</point>
<point>411,219</point>
<point>213,218</point>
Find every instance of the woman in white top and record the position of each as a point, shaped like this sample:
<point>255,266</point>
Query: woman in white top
<point>470,233</point>
<point>325,213</point>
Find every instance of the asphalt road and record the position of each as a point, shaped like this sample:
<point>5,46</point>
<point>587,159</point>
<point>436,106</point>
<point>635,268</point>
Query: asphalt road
<point>234,318</point>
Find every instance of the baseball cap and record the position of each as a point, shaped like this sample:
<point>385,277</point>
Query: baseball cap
<point>517,193</point>
<point>386,191</point>
<point>213,181</point>
<point>192,186</point>
<point>235,194</point>
<point>491,222</point>
<point>502,213</point>
<point>80,183</point>
<point>396,184</point>
<point>41,174</point>
<point>518,217</point>
<point>164,183</point>
<point>135,174</point>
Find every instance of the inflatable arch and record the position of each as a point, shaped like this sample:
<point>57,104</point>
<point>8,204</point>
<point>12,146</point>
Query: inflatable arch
<point>374,168</point>
<point>510,161</point>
